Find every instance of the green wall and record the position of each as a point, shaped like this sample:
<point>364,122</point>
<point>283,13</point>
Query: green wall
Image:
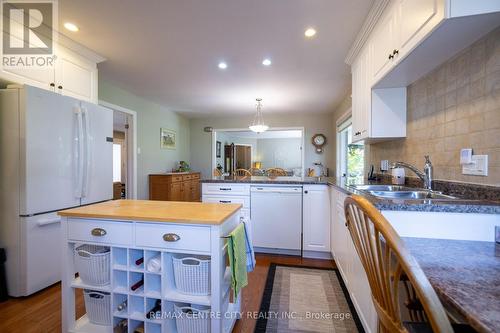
<point>150,118</point>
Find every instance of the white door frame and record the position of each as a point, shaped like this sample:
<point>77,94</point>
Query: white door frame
<point>214,142</point>
<point>132,148</point>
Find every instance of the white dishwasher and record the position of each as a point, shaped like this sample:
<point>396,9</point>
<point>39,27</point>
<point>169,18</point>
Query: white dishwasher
<point>276,214</point>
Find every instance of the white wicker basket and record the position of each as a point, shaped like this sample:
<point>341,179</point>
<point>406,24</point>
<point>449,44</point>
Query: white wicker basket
<point>93,264</point>
<point>192,274</point>
<point>192,319</point>
<point>98,307</point>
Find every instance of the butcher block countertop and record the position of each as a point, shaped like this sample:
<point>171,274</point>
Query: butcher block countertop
<point>157,211</point>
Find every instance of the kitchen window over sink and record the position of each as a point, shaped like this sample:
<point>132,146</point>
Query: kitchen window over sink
<point>350,156</point>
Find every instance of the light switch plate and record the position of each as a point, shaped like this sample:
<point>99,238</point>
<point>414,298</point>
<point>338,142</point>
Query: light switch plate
<point>478,167</point>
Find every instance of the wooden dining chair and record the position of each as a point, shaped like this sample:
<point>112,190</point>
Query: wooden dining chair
<point>256,172</point>
<point>242,173</point>
<point>275,172</point>
<point>390,268</point>
<point>217,173</point>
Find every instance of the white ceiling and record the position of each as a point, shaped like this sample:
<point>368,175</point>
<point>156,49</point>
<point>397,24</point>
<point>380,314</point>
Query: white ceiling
<point>283,134</point>
<point>168,50</point>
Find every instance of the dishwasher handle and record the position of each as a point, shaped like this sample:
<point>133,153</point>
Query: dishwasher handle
<point>284,190</point>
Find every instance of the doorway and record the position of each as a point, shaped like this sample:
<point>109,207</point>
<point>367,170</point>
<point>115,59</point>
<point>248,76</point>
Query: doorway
<point>237,156</point>
<point>120,152</point>
<point>124,152</point>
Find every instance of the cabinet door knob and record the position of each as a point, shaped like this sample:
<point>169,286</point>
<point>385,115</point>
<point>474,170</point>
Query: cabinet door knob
<point>391,56</point>
<point>305,192</point>
<point>99,232</point>
<point>395,52</point>
<point>59,87</point>
<point>171,237</point>
<point>52,84</point>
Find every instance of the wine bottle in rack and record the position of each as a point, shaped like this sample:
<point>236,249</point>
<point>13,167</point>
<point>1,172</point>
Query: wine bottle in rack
<point>154,309</point>
<point>139,261</point>
<point>122,306</point>
<point>137,285</point>
<point>139,329</point>
<point>121,327</point>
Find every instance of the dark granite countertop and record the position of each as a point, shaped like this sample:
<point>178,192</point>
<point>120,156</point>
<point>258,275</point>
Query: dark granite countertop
<point>488,204</point>
<point>459,205</point>
<point>465,275</point>
<point>268,180</point>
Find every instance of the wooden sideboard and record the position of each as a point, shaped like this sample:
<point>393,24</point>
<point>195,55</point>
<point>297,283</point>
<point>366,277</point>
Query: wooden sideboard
<point>175,187</point>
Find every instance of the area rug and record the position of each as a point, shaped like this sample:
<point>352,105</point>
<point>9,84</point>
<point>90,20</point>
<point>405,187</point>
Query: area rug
<point>303,299</point>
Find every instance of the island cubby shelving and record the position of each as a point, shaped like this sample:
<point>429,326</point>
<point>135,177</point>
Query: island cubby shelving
<point>132,245</point>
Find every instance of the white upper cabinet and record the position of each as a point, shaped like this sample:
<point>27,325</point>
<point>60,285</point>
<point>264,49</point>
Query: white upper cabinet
<point>384,42</point>
<point>412,37</point>
<point>361,99</point>
<point>377,114</point>
<point>73,74</point>
<point>76,76</point>
<point>415,18</point>
<point>401,27</point>
<point>402,41</point>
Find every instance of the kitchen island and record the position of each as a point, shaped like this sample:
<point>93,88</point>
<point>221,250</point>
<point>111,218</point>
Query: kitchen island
<point>134,232</point>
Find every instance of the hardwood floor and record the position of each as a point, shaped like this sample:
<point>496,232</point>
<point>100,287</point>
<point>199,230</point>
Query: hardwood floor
<point>41,312</point>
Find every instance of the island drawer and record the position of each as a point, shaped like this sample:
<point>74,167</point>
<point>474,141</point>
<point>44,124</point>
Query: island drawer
<point>226,189</point>
<point>243,200</point>
<point>178,237</point>
<point>98,231</point>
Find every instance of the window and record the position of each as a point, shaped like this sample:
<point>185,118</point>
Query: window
<point>117,162</point>
<point>350,156</point>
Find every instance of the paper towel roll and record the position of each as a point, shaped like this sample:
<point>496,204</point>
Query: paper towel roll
<point>398,176</point>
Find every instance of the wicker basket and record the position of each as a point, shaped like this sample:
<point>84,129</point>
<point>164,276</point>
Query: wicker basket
<point>192,274</point>
<point>93,264</point>
<point>98,307</point>
<point>192,319</point>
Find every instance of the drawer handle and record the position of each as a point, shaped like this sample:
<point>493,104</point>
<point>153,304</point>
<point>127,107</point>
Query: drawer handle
<point>171,237</point>
<point>99,232</point>
<point>225,189</point>
<point>225,201</point>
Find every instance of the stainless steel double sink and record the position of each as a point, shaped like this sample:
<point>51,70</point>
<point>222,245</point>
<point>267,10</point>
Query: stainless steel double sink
<point>400,192</point>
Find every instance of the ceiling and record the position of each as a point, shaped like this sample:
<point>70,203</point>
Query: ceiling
<point>271,134</point>
<point>167,51</point>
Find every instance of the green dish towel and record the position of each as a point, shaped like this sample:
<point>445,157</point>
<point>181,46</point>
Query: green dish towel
<point>236,249</point>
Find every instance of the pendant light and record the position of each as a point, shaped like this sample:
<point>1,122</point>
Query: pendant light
<point>258,125</point>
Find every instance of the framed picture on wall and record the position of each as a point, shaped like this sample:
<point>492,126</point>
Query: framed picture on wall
<point>218,148</point>
<point>167,139</point>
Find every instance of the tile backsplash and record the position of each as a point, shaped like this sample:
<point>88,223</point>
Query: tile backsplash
<point>455,106</point>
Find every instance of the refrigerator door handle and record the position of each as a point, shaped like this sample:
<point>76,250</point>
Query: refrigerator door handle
<point>47,221</point>
<point>79,153</point>
<point>86,173</point>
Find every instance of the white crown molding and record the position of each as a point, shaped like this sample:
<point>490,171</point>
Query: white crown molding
<point>79,48</point>
<point>368,25</point>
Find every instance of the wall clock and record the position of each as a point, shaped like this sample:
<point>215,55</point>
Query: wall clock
<point>319,140</point>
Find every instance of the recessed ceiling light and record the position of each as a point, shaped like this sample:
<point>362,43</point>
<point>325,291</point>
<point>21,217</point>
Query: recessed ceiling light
<point>71,26</point>
<point>266,62</point>
<point>310,32</point>
<point>222,65</point>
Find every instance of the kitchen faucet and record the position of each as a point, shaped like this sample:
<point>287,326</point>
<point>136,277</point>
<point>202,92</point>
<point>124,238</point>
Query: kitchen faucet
<point>425,176</point>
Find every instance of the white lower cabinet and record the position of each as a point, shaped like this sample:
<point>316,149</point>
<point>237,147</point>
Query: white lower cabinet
<point>349,264</point>
<point>316,219</point>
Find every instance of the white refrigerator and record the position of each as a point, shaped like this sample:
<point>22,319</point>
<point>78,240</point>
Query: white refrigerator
<point>56,153</point>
